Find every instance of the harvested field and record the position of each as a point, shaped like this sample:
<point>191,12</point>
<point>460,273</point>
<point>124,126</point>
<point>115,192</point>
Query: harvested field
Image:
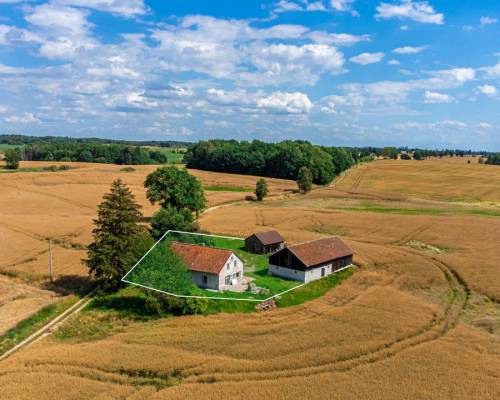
<point>411,322</point>
<point>61,205</point>
<point>18,301</point>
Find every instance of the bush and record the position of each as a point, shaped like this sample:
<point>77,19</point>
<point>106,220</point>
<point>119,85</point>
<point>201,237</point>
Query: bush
<point>12,158</point>
<point>194,306</point>
<point>127,169</point>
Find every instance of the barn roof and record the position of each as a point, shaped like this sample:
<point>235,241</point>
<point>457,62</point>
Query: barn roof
<point>320,251</point>
<point>269,237</point>
<point>201,258</point>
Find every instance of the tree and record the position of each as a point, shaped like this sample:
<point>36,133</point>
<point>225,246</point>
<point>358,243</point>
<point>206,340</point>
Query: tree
<point>12,158</point>
<point>418,155</point>
<point>116,234</point>
<point>171,186</point>
<point>304,180</point>
<point>405,156</point>
<point>169,218</point>
<point>85,156</point>
<point>261,189</point>
<point>390,152</point>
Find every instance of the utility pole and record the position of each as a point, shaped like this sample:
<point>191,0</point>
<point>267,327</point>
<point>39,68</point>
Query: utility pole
<point>50,260</point>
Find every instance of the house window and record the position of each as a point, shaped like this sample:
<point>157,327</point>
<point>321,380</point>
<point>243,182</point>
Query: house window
<point>228,266</point>
<point>228,280</point>
<point>234,263</point>
<point>205,279</point>
<point>238,274</point>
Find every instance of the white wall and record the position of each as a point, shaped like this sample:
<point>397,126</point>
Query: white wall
<point>212,280</point>
<point>232,266</point>
<point>287,273</point>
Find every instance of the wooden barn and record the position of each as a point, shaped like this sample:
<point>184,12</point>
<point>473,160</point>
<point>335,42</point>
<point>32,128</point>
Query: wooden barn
<point>310,261</point>
<point>264,242</point>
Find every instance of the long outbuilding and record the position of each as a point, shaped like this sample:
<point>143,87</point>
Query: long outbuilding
<point>309,261</point>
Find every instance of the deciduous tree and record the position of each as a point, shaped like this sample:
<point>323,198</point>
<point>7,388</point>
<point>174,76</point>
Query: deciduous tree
<point>261,189</point>
<point>12,158</point>
<point>304,180</point>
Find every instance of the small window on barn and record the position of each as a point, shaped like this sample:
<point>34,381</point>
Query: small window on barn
<point>205,279</point>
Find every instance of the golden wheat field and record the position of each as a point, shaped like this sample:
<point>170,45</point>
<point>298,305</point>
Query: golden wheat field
<point>418,319</point>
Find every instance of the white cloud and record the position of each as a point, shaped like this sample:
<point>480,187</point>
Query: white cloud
<point>435,97</point>
<point>488,20</point>
<point>126,8</point>
<point>344,6</point>
<point>64,30</point>
<point>337,39</point>
<point>493,71</point>
<point>367,58</point>
<point>3,109</point>
<point>393,62</point>
<point>293,103</point>
<point>25,118</point>
<point>409,50</point>
<point>488,90</point>
<point>419,11</point>
<point>287,6</point>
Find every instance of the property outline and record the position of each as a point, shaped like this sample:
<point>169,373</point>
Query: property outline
<point>206,297</point>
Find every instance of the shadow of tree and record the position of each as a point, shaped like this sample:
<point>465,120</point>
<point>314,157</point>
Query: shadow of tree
<point>70,284</point>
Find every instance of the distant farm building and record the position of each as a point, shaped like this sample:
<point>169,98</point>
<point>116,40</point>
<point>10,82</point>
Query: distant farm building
<point>264,242</point>
<point>310,261</point>
<point>211,268</point>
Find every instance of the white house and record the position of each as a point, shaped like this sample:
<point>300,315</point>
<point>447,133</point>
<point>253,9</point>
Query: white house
<point>211,268</point>
<point>310,261</point>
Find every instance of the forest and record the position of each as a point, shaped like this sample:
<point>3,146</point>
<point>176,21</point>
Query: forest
<point>493,159</point>
<point>276,160</point>
<point>92,152</point>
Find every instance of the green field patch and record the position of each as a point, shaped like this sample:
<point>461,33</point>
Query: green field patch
<point>226,189</point>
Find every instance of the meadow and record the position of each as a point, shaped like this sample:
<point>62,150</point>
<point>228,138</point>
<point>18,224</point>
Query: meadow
<point>418,318</point>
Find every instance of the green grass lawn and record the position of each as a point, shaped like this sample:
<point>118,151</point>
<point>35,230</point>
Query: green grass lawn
<point>149,272</point>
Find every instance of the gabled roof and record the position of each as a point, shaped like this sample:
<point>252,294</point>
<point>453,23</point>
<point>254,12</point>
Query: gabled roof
<point>201,258</point>
<point>269,237</point>
<point>320,251</point>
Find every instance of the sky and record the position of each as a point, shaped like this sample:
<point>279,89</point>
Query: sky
<point>334,72</point>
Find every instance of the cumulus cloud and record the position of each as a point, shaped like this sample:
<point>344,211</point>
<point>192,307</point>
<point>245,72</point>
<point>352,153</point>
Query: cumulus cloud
<point>125,8</point>
<point>367,58</point>
<point>25,118</point>
<point>394,62</point>
<point>436,97</point>
<point>488,90</point>
<point>418,11</point>
<point>293,103</point>
<point>488,20</point>
<point>409,49</point>
<point>337,39</point>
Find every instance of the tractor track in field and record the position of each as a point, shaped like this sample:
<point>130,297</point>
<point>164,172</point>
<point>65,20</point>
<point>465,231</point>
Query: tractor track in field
<point>459,293</point>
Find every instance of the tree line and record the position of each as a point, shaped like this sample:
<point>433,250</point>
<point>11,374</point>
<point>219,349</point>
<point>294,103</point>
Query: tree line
<point>26,139</point>
<point>493,159</point>
<point>92,152</point>
<point>276,160</point>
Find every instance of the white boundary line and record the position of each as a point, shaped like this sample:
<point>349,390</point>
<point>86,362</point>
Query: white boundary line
<point>206,297</point>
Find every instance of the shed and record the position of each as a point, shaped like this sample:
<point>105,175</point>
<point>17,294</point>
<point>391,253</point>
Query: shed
<point>264,242</point>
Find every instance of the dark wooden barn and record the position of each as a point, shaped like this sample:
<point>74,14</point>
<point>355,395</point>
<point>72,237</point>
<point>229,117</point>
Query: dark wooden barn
<point>264,242</point>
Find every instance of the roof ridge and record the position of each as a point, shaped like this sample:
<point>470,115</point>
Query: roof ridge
<point>202,245</point>
<point>313,240</point>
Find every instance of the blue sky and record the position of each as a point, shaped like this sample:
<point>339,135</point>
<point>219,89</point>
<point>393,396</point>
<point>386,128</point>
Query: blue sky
<point>335,72</point>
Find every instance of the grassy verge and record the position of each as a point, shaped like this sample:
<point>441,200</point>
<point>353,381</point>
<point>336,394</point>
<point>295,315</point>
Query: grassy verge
<point>50,168</point>
<point>314,289</point>
<point>422,211</point>
<point>30,325</point>
<point>226,189</point>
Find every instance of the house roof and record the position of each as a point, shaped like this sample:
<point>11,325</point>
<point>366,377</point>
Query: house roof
<point>201,258</point>
<point>269,237</point>
<point>320,251</point>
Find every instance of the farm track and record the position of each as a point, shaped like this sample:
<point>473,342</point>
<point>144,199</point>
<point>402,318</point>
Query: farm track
<point>51,326</point>
<point>437,329</point>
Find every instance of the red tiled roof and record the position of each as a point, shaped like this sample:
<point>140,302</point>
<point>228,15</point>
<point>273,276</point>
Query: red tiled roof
<point>321,251</point>
<point>201,258</point>
<point>270,237</point>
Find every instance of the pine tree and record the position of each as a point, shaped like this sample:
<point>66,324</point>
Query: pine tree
<point>116,232</point>
<point>261,189</point>
<point>304,180</point>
